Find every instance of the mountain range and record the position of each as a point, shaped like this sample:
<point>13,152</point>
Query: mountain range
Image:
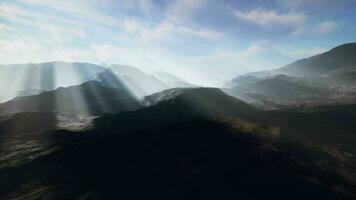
<point>87,99</point>
<point>34,78</point>
<point>177,147</point>
<point>121,133</point>
<point>326,78</point>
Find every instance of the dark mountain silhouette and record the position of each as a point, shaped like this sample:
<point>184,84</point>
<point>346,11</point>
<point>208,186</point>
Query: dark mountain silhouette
<point>178,105</point>
<point>34,78</point>
<point>333,125</point>
<point>87,99</point>
<point>324,78</point>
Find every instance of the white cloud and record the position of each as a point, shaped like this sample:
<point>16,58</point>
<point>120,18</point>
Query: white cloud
<point>40,21</point>
<point>4,27</point>
<point>164,31</point>
<point>172,26</point>
<point>25,50</point>
<point>270,18</point>
<point>147,6</point>
<point>87,10</point>
<point>324,28</point>
<point>181,10</point>
<point>206,34</point>
<point>294,4</point>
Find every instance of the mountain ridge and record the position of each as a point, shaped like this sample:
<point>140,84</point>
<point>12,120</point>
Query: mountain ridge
<point>323,78</point>
<point>89,98</point>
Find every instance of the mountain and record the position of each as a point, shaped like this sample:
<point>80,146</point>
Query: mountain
<point>181,143</point>
<point>332,125</point>
<point>284,89</point>
<point>324,78</point>
<point>207,101</point>
<point>34,78</point>
<point>341,59</point>
<point>134,80</point>
<point>202,153</point>
<point>179,105</point>
<point>87,99</point>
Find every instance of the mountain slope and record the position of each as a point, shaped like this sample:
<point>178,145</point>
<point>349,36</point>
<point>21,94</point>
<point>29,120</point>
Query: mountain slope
<point>323,79</point>
<point>90,98</point>
<point>192,160</point>
<point>341,59</point>
<point>212,101</point>
<point>283,89</point>
<point>33,78</point>
<point>189,144</point>
<point>179,105</point>
<point>134,80</point>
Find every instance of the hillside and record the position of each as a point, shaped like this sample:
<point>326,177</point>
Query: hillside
<point>325,78</point>
<point>87,99</point>
<point>176,149</point>
<point>341,59</point>
<point>178,105</point>
<point>134,80</point>
<point>34,78</point>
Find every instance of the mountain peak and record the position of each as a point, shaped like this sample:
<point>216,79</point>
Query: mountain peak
<point>210,102</point>
<point>174,93</point>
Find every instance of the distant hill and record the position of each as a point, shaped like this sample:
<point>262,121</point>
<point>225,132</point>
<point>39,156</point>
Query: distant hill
<point>284,89</point>
<point>90,98</point>
<point>324,78</point>
<point>139,83</point>
<point>34,78</point>
<point>341,59</point>
<point>133,79</point>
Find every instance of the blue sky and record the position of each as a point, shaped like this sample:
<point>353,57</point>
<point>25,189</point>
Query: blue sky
<point>202,41</point>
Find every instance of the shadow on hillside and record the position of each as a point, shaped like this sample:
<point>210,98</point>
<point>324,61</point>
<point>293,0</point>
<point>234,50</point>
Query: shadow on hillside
<point>195,160</point>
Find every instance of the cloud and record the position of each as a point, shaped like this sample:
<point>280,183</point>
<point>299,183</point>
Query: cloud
<point>164,31</point>
<point>182,10</point>
<point>295,4</point>
<point>4,27</point>
<point>87,10</point>
<point>316,5</point>
<point>206,34</point>
<point>269,19</point>
<point>259,55</point>
<point>147,6</point>
<point>324,28</point>
<point>25,50</point>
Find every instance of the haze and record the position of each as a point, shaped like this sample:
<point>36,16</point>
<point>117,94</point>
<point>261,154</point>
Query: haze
<point>204,42</point>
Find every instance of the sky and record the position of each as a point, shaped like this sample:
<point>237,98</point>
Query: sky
<point>205,42</point>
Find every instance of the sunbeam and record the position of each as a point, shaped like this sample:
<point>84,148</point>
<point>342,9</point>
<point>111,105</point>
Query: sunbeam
<point>182,99</point>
